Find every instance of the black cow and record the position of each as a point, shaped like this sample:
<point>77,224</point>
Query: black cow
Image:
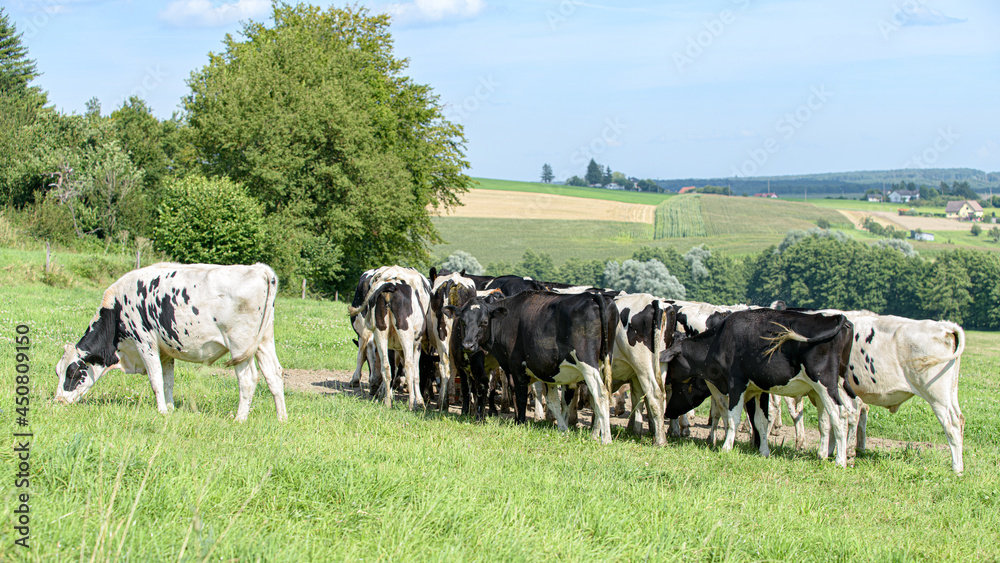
<point>558,339</point>
<point>763,350</point>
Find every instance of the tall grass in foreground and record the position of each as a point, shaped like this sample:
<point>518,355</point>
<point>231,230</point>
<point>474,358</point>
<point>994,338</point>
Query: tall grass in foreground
<point>346,479</point>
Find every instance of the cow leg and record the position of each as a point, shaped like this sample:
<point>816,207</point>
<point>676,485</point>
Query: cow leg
<point>521,397</point>
<point>446,377</point>
<point>656,401</point>
<point>246,377</point>
<point>796,410</point>
<point>385,368</point>
<point>555,407</point>
<point>167,364</point>
<point>950,416</point>
<point>638,398</point>
<point>761,424</point>
<point>862,428</point>
<point>572,405</point>
<point>736,400</point>
<point>538,389</point>
<point>270,367</point>
<point>774,409</point>
<point>832,417</point>
<point>154,369</point>
<point>599,402</point>
<point>363,339</point>
<point>411,361</point>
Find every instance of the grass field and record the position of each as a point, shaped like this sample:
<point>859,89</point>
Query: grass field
<point>679,217</point>
<point>745,215</point>
<point>572,191</point>
<point>346,479</point>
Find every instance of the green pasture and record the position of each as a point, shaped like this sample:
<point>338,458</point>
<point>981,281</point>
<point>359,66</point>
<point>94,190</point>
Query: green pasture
<point>572,191</point>
<point>679,217</point>
<point>347,479</point>
<point>494,240</point>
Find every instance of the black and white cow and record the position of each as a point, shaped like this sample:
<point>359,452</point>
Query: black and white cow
<point>895,358</point>
<point>558,339</point>
<point>193,313</point>
<point>366,349</point>
<point>395,311</point>
<point>455,290</point>
<point>766,351</point>
<point>647,329</point>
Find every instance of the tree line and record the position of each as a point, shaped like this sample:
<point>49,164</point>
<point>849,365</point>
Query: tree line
<point>812,269</point>
<point>301,144</point>
<point>598,175</point>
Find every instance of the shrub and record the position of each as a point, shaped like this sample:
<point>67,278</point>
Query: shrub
<point>643,277</point>
<point>212,221</point>
<point>462,260</point>
<point>976,229</point>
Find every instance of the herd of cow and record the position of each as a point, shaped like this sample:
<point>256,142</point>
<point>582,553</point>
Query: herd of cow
<point>514,333</point>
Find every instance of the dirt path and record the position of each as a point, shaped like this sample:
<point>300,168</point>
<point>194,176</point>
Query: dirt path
<point>336,382</point>
<point>886,218</point>
<point>525,205</point>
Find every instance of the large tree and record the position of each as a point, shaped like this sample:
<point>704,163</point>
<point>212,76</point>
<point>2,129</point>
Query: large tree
<point>316,118</point>
<point>16,69</point>
<point>595,174</point>
<point>20,105</point>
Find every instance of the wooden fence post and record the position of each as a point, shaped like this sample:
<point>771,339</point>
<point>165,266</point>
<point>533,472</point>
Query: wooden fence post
<point>138,253</point>
<point>48,256</point>
<point>303,288</point>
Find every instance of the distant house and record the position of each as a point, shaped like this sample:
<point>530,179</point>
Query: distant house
<point>768,194</point>
<point>687,189</point>
<point>903,196</point>
<point>929,237</point>
<point>614,186</point>
<point>875,198</point>
<point>963,210</point>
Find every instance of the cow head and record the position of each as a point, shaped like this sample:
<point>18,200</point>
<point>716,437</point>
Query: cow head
<point>96,353</point>
<point>472,322</point>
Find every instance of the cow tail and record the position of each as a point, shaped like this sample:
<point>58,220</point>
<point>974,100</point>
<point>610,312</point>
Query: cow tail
<point>929,361</point>
<point>604,352</point>
<point>267,318</point>
<point>657,339</point>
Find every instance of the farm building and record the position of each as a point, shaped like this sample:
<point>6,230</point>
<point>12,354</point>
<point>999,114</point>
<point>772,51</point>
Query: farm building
<point>964,210</point>
<point>768,194</point>
<point>915,235</point>
<point>875,198</point>
<point>903,196</point>
<point>687,189</point>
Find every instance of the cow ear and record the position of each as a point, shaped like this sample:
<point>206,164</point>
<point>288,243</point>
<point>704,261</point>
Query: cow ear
<point>449,311</point>
<point>433,273</point>
<point>670,353</point>
<point>498,312</point>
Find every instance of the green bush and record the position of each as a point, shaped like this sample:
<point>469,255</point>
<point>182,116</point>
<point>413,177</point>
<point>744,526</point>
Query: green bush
<point>212,221</point>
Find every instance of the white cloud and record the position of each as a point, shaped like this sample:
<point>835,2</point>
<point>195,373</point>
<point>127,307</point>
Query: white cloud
<point>436,10</point>
<point>921,15</point>
<point>202,13</point>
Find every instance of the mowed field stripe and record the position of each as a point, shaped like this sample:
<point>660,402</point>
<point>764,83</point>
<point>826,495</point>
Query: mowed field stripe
<point>499,204</point>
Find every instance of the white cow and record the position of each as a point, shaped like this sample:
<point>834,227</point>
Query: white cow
<point>193,313</point>
<point>893,359</point>
<point>395,311</point>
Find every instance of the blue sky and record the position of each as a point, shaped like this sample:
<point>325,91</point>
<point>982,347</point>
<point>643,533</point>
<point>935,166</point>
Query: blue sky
<point>714,88</point>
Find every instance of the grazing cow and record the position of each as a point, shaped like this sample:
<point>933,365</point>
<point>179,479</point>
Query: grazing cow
<point>763,351</point>
<point>646,330</point>
<point>455,290</point>
<point>558,339</point>
<point>395,311</point>
<point>193,313</point>
<point>895,358</point>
